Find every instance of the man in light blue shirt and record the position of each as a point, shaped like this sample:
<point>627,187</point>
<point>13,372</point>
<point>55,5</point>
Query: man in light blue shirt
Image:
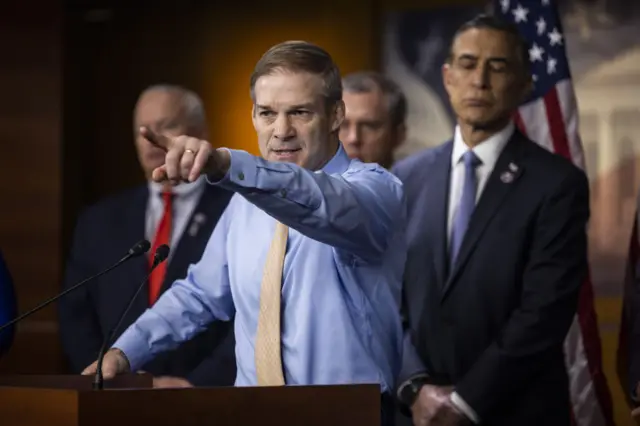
<point>346,248</point>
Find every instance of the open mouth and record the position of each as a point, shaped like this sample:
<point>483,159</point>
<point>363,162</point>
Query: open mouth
<point>285,153</point>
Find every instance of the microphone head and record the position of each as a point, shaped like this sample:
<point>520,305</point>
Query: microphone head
<point>162,253</point>
<point>141,247</point>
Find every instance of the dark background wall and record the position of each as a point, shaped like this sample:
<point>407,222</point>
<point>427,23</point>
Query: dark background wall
<point>69,75</point>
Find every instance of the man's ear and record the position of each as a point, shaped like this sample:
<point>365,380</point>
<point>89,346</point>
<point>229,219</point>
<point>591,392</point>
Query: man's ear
<point>446,75</point>
<point>337,116</point>
<point>253,114</point>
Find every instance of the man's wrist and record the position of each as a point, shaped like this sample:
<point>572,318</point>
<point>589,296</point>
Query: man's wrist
<point>409,390</point>
<point>219,164</point>
<point>126,365</point>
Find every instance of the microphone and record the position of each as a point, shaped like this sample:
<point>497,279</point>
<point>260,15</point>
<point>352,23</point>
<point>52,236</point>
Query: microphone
<point>141,247</point>
<point>160,256</point>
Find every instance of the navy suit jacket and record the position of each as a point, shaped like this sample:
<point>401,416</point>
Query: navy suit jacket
<point>494,325</point>
<point>8,308</point>
<point>104,233</point>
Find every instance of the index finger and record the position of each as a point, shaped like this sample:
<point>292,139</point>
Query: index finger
<point>157,139</point>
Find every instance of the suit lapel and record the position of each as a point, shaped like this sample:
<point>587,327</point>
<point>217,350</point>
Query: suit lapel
<point>500,183</point>
<point>438,179</point>
<point>133,228</point>
<point>196,234</point>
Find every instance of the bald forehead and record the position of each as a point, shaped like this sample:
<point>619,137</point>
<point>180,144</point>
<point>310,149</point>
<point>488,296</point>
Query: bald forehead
<point>160,95</point>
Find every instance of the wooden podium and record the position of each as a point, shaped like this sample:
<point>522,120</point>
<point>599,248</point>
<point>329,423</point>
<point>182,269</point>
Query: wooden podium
<point>130,400</point>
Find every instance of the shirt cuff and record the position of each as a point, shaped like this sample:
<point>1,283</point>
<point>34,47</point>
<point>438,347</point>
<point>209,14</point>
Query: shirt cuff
<point>464,407</point>
<point>134,347</point>
<point>242,171</point>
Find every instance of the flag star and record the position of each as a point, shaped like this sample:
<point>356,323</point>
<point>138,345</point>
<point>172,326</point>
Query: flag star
<point>541,25</point>
<point>520,13</point>
<point>555,37</point>
<point>535,53</point>
<point>505,5</point>
<point>545,2</point>
<point>551,65</point>
<point>534,78</point>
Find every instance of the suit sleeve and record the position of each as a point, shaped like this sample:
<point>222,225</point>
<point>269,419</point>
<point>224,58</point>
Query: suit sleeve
<point>79,328</point>
<point>219,368</point>
<point>535,332</point>
<point>412,365</point>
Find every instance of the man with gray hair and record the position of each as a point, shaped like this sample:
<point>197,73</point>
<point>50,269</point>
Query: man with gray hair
<point>308,257</point>
<point>182,218</point>
<point>374,124</point>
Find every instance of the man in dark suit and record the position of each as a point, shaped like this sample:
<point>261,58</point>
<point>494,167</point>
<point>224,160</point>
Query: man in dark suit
<point>497,251</point>
<point>182,217</point>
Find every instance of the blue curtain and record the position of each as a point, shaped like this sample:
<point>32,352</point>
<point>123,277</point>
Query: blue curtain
<point>8,305</point>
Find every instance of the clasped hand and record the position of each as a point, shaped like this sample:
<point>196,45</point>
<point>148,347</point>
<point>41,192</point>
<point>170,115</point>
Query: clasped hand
<point>186,158</point>
<point>433,407</point>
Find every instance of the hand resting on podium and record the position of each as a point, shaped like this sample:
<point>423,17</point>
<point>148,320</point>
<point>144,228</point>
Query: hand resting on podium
<point>115,362</point>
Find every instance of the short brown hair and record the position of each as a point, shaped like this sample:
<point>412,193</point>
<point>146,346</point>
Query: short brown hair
<point>370,81</point>
<point>300,56</point>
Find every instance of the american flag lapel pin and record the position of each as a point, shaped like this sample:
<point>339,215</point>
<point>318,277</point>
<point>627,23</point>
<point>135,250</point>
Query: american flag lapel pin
<point>198,220</point>
<point>506,177</point>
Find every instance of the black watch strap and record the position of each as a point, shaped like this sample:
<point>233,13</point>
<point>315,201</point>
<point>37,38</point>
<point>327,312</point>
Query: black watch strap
<point>410,391</point>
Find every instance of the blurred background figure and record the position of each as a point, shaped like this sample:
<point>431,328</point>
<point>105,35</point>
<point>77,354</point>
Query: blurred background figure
<point>182,217</point>
<point>8,308</point>
<point>374,124</point>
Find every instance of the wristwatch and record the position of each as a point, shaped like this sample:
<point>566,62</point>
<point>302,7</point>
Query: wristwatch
<point>409,392</point>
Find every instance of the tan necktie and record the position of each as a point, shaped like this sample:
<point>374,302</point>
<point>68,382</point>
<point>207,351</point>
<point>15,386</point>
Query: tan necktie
<point>267,348</point>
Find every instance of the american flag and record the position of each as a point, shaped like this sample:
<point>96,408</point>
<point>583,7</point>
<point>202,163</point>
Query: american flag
<point>550,117</point>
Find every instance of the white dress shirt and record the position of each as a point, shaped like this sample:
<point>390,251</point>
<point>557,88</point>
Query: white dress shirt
<point>488,152</point>
<point>185,200</point>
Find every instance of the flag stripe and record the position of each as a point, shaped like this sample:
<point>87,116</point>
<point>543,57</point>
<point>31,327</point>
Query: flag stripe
<point>569,108</point>
<point>537,130</point>
<point>592,348</point>
<point>556,124</point>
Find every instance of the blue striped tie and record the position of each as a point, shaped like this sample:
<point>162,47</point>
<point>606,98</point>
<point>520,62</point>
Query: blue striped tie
<point>466,206</point>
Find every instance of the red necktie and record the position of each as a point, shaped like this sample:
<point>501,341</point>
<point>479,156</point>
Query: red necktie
<point>163,234</point>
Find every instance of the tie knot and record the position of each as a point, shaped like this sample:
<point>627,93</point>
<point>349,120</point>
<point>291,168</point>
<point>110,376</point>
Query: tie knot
<point>471,160</point>
<point>166,195</point>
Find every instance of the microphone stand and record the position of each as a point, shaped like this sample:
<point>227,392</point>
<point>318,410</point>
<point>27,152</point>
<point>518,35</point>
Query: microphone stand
<point>140,248</point>
<point>161,254</point>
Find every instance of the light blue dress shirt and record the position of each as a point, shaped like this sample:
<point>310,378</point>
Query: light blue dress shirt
<point>341,280</point>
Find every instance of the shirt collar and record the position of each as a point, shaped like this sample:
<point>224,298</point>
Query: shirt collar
<point>182,190</point>
<point>339,163</point>
<point>487,151</point>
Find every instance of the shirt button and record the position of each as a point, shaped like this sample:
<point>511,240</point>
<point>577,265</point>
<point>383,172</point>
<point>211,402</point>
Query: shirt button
<point>283,193</point>
<point>241,176</point>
